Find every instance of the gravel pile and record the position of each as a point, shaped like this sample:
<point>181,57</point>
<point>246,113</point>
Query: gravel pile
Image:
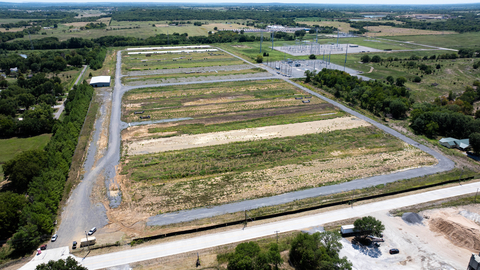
<point>412,218</point>
<point>472,216</point>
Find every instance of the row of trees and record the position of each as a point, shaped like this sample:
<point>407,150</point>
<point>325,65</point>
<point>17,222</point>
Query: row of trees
<point>40,175</point>
<point>373,95</point>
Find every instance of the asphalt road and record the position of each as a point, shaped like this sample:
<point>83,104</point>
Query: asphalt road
<point>249,233</point>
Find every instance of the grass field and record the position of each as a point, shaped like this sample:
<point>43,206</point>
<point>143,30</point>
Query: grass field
<point>454,75</point>
<point>176,180</point>
<point>177,60</point>
<point>14,146</point>
<point>457,41</point>
<point>138,29</point>
<point>211,100</point>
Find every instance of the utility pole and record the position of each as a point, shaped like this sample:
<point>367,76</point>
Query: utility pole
<point>344,64</point>
<point>88,244</point>
<point>476,196</point>
<point>261,41</point>
<point>273,33</point>
<point>31,43</point>
<point>316,35</point>
<point>168,38</point>
<point>338,35</point>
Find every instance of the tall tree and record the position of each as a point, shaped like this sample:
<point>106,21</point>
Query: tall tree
<point>23,168</point>
<point>368,225</point>
<point>69,264</point>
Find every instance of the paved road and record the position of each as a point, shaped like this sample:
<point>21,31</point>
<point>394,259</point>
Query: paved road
<point>62,107</point>
<point>428,46</point>
<point>248,233</point>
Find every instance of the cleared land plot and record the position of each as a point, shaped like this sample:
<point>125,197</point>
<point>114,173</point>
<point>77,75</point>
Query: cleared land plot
<point>175,180</point>
<point>213,100</point>
<point>207,73</point>
<point>251,134</point>
<point>178,60</point>
<point>11,147</point>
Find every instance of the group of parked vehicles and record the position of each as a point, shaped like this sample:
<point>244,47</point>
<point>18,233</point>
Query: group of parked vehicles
<point>89,240</point>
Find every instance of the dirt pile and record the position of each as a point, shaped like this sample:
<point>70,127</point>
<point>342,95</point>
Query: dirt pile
<point>458,234</point>
<point>412,218</point>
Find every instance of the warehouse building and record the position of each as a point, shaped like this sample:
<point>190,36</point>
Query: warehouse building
<point>100,81</point>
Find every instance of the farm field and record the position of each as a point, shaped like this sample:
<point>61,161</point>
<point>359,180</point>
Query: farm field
<point>134,62</point>
<point>14,146</point>
<point>183,179</point>
<point>214,100</point>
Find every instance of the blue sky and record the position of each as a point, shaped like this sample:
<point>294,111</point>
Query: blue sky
<point>380,2</point>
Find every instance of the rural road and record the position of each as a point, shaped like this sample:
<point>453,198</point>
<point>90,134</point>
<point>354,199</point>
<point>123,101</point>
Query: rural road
<point>62,106</point>
<point>249,233</point>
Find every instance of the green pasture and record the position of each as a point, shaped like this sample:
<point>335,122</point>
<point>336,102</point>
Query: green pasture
<point>453,41</point>
<point>13,146</point>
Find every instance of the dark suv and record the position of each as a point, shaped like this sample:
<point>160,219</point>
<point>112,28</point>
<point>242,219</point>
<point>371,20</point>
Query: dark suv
<point>394,251</point>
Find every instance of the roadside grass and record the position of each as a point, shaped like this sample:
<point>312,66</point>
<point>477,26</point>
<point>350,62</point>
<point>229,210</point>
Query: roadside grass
<point>350,196</point>
<point>457,41</point>
<point>108,68</point>
<point>187,75</point>
<point>206,100</point>
<point>177,60</point>
<point>13,146</point>
<point>449,202</point>
<point>283,119</point>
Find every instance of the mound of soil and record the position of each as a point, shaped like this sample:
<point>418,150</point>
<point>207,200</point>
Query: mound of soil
<point>458,234</point>
<point>412,218</point>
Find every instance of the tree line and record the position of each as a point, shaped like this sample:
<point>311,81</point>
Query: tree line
<point>373,95</point>
<point>449,116</point>
<point>37,179</point>
<point>461,23</point>
<point>281,16</point>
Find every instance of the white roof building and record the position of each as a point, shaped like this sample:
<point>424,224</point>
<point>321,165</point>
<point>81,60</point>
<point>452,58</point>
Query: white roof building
<point>100,81</point>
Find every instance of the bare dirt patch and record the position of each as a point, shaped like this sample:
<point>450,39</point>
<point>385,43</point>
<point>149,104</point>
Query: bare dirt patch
<point>217,138</point>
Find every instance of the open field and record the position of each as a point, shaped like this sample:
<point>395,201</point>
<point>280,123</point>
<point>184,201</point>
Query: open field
<point>14,146</point>
<point>251,134</point>
<point>457,41</point>
<point>385,30</point>
<point>342,26</point>
<point>212,100</point>
<point>177,60</point>
<point>138,29</point>
<point>176,180</point>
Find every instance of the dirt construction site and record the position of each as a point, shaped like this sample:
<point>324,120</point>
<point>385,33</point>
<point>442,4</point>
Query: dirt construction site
<point>441,238</point>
